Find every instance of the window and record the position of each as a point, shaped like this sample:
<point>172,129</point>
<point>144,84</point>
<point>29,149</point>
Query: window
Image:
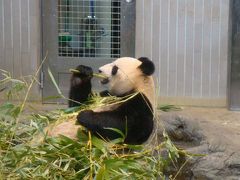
<point>89,28</point>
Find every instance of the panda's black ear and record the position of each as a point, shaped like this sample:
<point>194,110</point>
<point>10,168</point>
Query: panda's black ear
<point>147,66</point>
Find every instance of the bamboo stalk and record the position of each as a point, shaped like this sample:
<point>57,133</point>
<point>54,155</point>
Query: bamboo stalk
<point>98,75</point>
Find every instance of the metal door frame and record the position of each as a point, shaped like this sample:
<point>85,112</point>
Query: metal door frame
<point>233,83</point>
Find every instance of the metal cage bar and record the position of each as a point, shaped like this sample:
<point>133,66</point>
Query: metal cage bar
<point>89,28</point>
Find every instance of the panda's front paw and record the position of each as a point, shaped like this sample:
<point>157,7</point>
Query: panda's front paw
<point>85,70</point>
<point>85,117</point>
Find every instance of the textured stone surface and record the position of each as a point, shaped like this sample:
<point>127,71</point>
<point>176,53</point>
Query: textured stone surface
<point>199,134</point>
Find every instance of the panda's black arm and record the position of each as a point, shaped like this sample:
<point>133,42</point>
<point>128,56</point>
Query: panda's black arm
<point>80,86</point>
<point>80,92</point>
<point>98,122</point>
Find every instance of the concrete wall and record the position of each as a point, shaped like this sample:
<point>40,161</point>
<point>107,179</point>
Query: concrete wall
<point>188,41</point>
<point>20,38</point>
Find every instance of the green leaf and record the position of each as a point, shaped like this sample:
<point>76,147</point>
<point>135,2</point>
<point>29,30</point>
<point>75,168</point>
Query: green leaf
<point>67,166</point>
<point>54,82</point>
<point>117,141</point>
<point>135,147</point>
<point>71,110</point>
<point>117,131</point>
<point>100,174</point>
<point>16,111</point>
<point>51,98</point>
<point>114,163</point>
<point>99,144</point>
<point>167,108</point>
<point>6,107</point>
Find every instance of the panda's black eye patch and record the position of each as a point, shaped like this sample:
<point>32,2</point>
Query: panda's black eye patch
<point>114,70</point>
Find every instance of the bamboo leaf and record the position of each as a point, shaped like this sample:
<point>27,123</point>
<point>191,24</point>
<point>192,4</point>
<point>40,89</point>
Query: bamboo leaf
<point>54,82</point>
<point>168,107</point>
<point>51,98</point>
<point>101,173</point>
<point>99,144</point>
<point>71,109</point>
<point>117,131</point>
<point>27,152</point>
<point>67,166</point>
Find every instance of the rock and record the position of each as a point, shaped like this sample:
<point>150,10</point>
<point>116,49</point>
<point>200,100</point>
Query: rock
<point>220,149</point>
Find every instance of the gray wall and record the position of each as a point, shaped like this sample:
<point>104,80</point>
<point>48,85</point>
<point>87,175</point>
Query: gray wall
<point>20,34</point>
<point>188,41</point>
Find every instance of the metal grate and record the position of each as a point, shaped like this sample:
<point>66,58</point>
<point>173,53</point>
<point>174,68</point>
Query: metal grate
<point>89,28</point>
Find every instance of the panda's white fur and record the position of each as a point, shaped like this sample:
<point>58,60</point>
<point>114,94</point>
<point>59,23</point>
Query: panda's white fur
<point>129,78</point>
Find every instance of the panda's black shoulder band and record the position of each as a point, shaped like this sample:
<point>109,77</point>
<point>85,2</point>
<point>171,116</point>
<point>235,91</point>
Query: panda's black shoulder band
<point>147,66</point>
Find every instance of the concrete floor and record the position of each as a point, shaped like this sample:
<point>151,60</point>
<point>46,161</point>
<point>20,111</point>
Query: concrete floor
<point>221,116</point>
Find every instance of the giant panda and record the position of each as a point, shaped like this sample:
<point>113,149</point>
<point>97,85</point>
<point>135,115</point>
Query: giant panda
<point>134,117</point>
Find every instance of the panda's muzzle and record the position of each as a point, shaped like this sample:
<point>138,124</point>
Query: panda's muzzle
<point>104,81</point>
